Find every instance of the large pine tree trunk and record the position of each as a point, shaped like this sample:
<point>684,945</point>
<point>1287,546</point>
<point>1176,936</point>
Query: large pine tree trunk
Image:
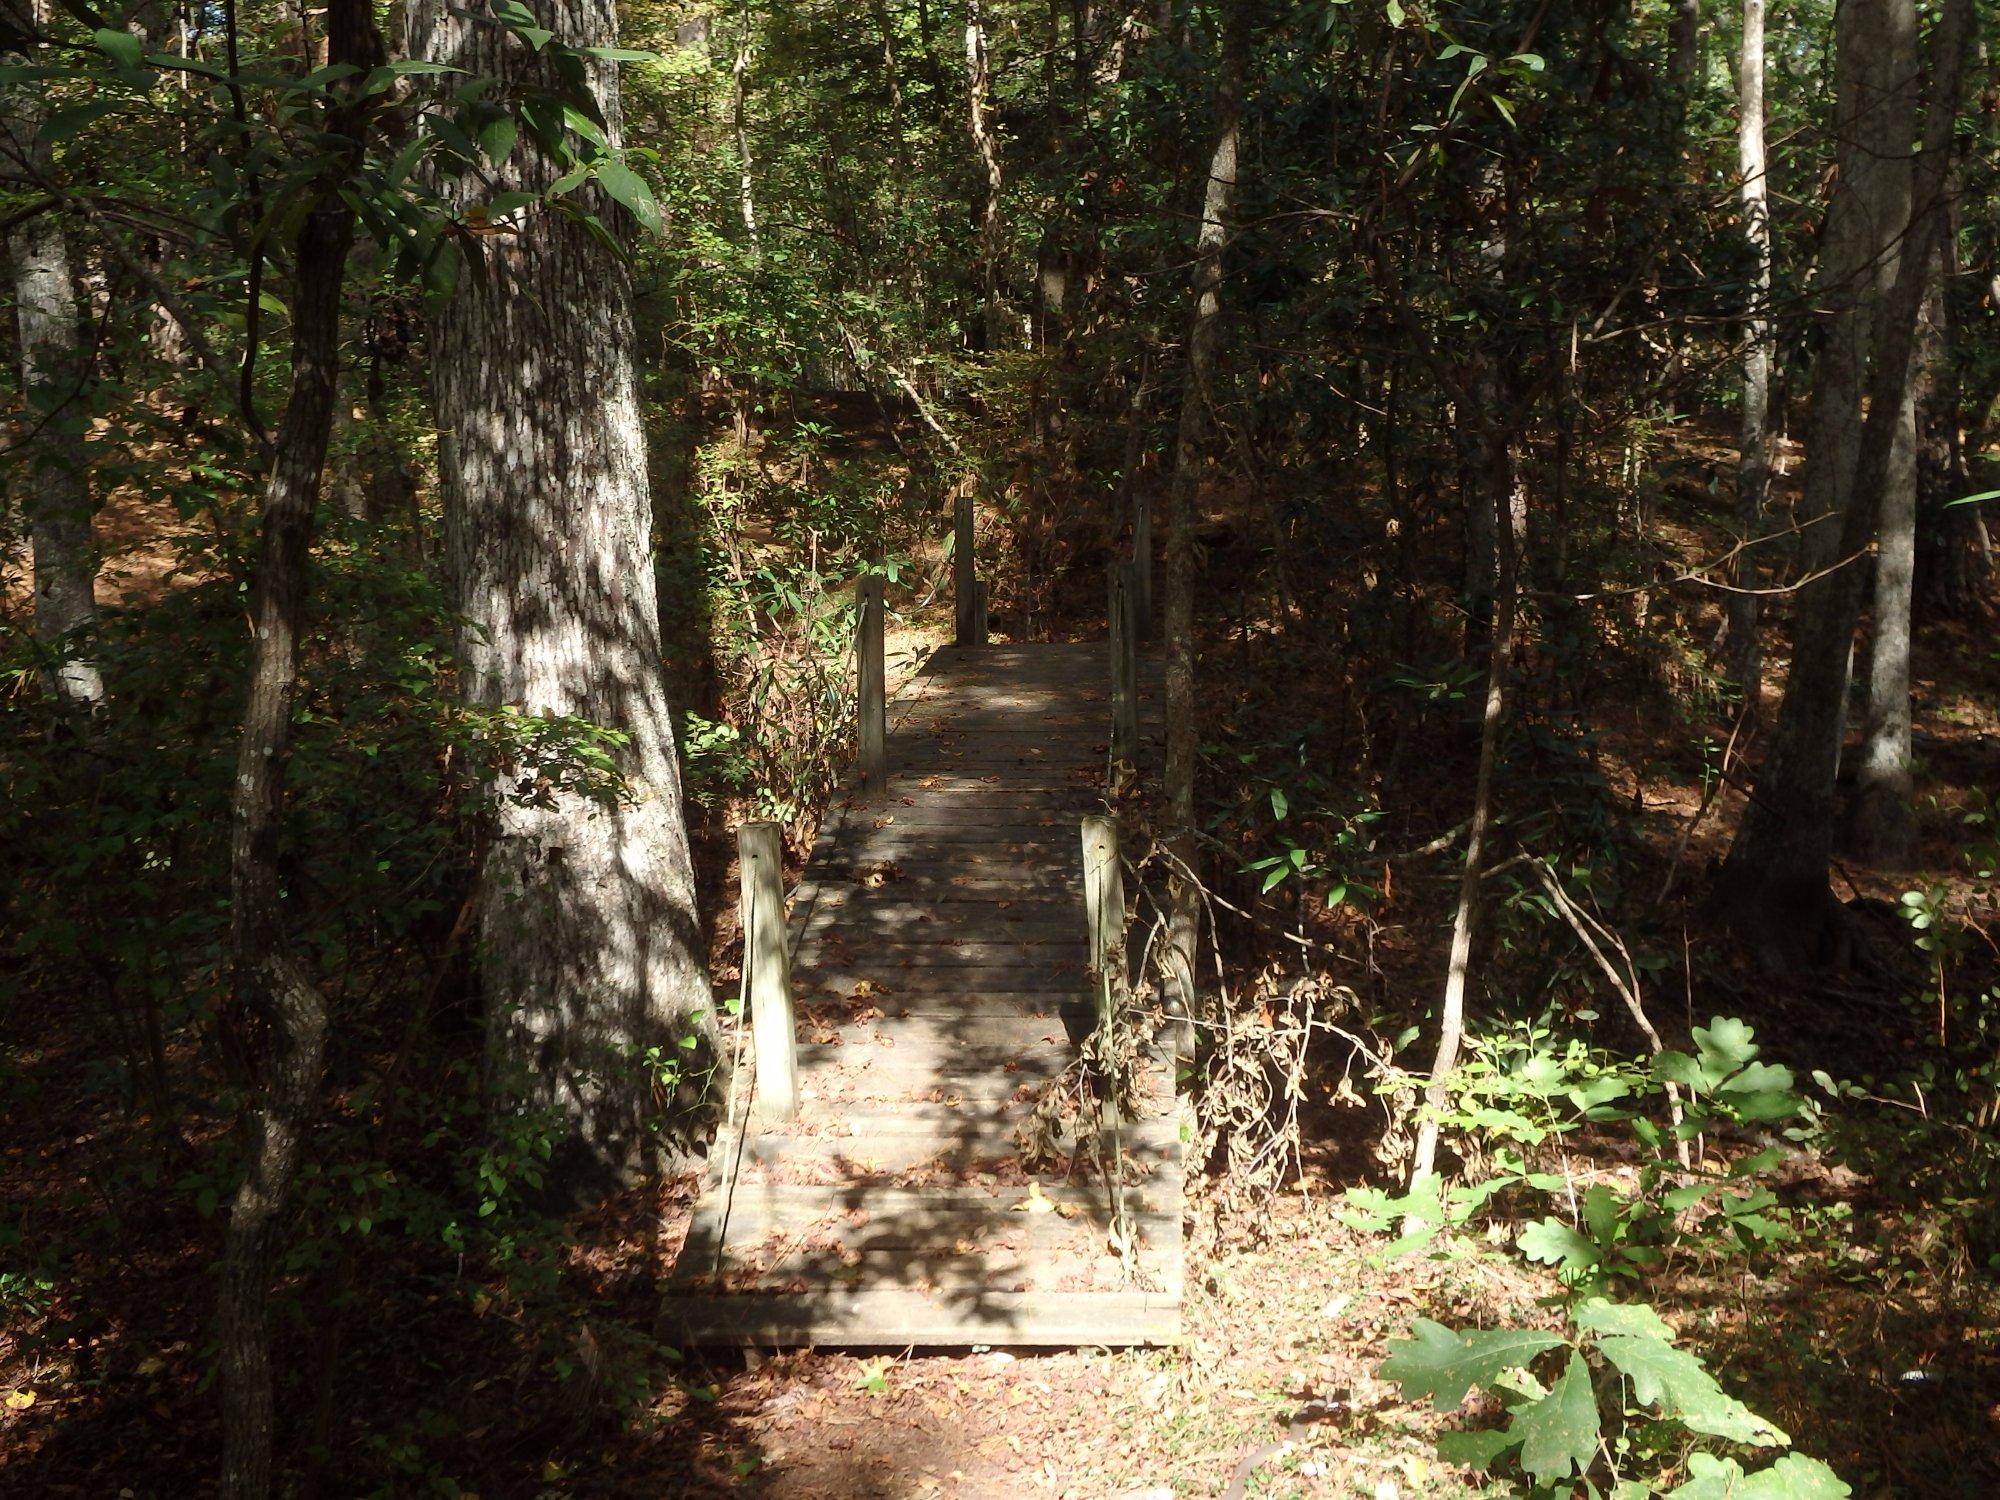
<point>1753,462</point>
<point>1774,888</point>
<point>56,503</point>
<point>591,948</point>
<point>1195,429</point>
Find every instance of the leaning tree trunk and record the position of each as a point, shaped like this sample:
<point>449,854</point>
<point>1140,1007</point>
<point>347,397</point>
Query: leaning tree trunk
<point>1753,461</point>
<point>56,503</point>
<point>1465,914</point>
<point>271,989</point>
<point>1774,889</point>
<point>591,948</point>
<point>1197,396</point>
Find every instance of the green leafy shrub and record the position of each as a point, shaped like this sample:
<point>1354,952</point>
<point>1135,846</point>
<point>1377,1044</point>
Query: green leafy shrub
<point>1617,1398</point>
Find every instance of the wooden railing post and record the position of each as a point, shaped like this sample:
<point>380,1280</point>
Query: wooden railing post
<point>872,672</point>
<point>968,593</point>
<point>1104,910</point>
<point>767,966</point>
<point>1124,667</point>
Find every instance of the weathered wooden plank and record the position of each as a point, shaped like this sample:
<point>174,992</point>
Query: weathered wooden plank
<point>927,885</point>
<point>1035,1253</point>
<point>971,838</point>
<point>769,1231</point>
<point>1052,954</point>
<point>1026,874</point>
<point>959,784</point>
<point>941,818</point>
<point>910,1213</point>
<point>898,1317</point>
<point>968,1029</point>
<point>923,922</point>
<point>975,1153</point>
<point>954,790</point>
<point>983,900</point>
<point>962,1119</point>
<point>929,1000</point>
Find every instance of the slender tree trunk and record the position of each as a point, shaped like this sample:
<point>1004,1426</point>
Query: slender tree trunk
<point>739,76</point>
<point>978,92</point>
<point>1195,430</point>
<point>1465,916</point>
<point>1774,888</point>
<point>1493,502</point>
<point>1882,820</point>
<point>1486,417</point>
<point>892,74</point>
<point>591,948</point>
<point>271,988</point>
<point>56,499</point>
<point>1753,461</point>
<point>1951,564</point>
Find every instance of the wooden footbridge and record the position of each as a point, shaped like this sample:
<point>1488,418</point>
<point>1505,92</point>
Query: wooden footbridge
<point>937,958</point>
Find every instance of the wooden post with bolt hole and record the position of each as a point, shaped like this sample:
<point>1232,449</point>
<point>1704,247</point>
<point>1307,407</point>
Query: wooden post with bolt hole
<point>1104,910</point>
<point>767,968</point>
<point>873,685</point>
<point>1124,667</point>
<point>968,594</point>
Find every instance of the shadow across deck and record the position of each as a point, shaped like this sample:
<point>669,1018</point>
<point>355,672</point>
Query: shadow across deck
<point>939,955</point>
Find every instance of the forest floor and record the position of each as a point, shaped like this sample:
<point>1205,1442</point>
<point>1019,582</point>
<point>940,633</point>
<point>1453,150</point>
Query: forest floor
<point>1875,1338</point>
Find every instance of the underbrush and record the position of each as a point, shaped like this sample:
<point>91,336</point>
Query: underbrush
<point>430,1280</point>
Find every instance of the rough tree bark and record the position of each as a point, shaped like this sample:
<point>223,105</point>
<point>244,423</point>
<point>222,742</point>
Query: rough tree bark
<point>1881,818</point>
<point>271,990</point>
<point>1745,658</point>
<point>591,948</point>
<point>1952,563</point>
<point>1860,246</point>
<point>1191,439</point>
<point>1774,889</point>
<point>56,497</point>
